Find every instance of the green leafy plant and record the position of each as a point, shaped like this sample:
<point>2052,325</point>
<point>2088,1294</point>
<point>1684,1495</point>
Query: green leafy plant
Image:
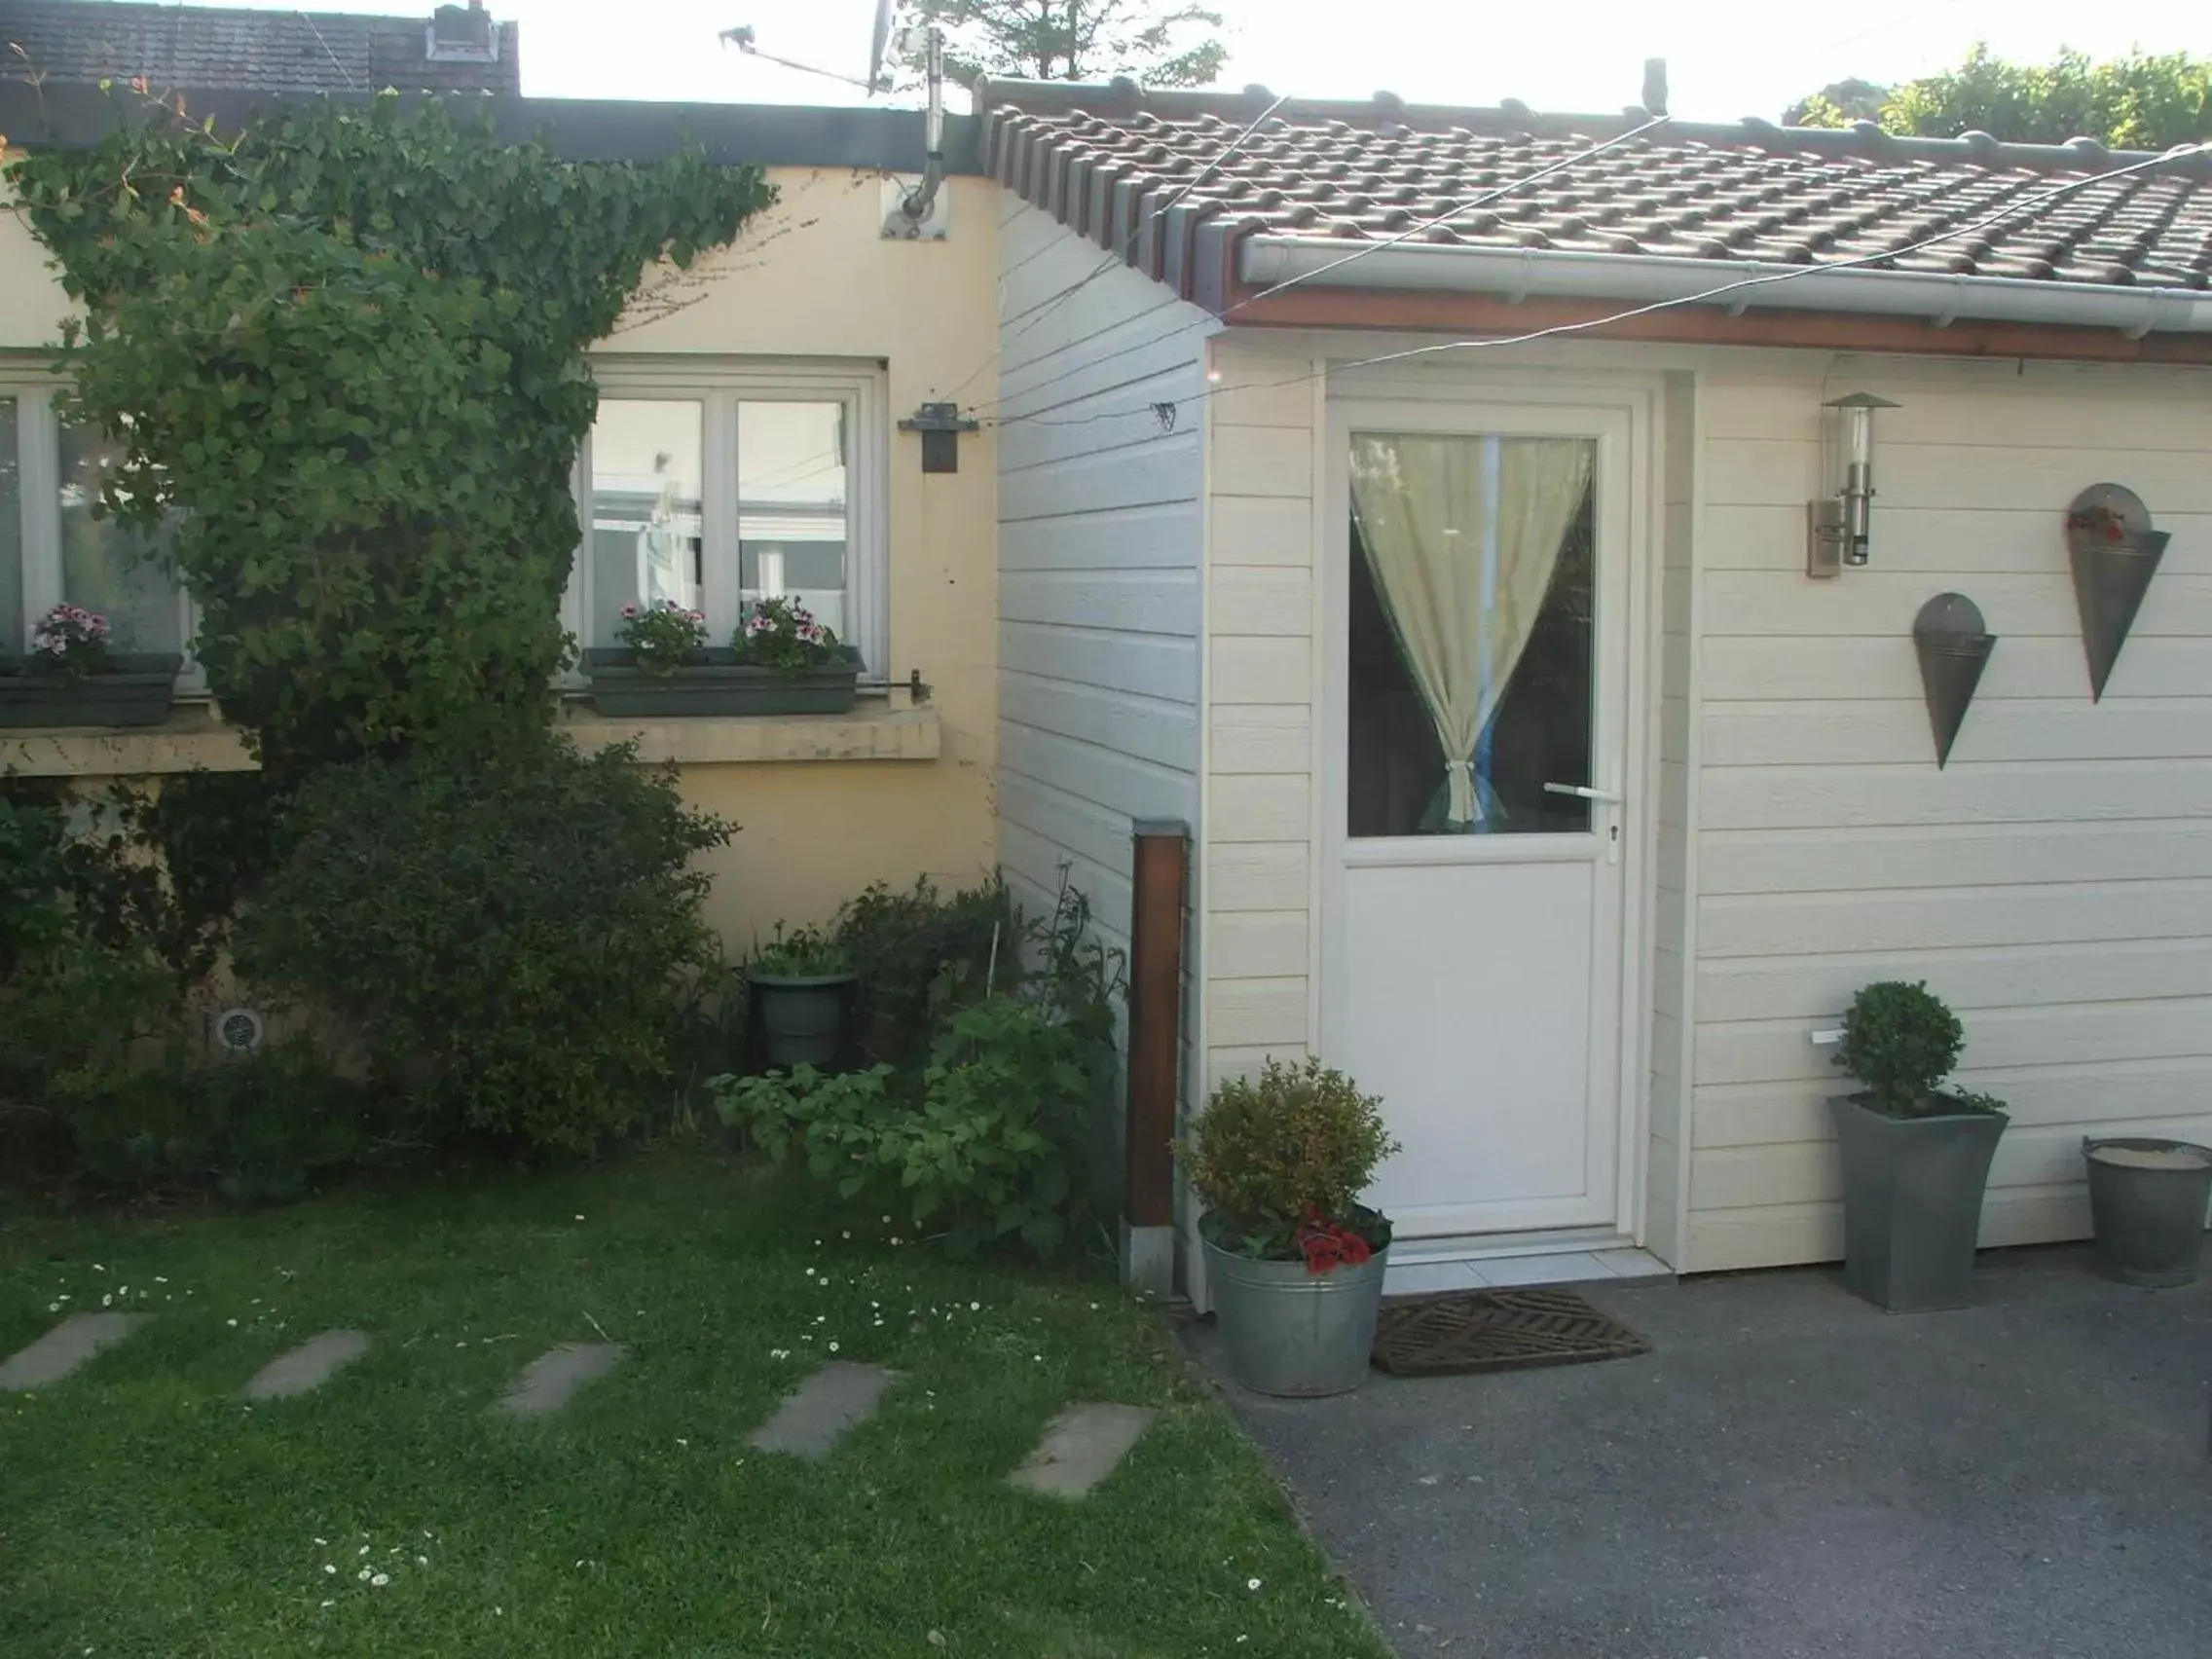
<point>662,637</point>
<point>342,350</point>
<point>504,924</point>
<point>1283,1158</point>
<point>70,642</point>
<point>980,1146</point>
<point>919,954</point>
<point>1901,1041</point>
<point>782,634</point>
<point>802,953</point>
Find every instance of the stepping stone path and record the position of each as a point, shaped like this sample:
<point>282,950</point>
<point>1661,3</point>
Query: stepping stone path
<point>308,1366</point>
<point>551,1380</point>
<point>1081,1447</point>
<point>817,1415</point>
<point>66,1347</point>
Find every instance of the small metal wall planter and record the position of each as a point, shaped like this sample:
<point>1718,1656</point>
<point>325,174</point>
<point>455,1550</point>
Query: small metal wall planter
<point>2115,553</point>
<point>1954,648</point>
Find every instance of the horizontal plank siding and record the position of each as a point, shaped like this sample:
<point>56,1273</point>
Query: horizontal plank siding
<point>1100,537</point>
<point>2053,883</point>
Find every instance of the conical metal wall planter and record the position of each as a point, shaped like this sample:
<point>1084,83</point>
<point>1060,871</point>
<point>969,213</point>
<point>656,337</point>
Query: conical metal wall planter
<point>1954,648</point>
<point>2116,553</point>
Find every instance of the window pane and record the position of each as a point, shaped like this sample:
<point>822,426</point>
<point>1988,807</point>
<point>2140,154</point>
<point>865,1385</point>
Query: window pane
<point>1470,619</point>
<point>118,573</point>
<point>793,505</point>
<point>648,460</point>
<point>12,638</point>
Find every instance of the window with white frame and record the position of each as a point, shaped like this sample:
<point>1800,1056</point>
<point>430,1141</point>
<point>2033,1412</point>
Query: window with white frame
<point>52,549</point>
<point>714,485</point>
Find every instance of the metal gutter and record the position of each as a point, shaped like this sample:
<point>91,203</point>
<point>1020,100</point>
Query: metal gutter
<point>1633,279</point>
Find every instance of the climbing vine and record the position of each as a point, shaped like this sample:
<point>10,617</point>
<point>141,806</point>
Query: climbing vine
<point>342,350</point>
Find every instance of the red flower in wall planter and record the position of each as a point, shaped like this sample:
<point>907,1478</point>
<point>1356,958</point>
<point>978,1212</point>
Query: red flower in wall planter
<point>1327,1245</point>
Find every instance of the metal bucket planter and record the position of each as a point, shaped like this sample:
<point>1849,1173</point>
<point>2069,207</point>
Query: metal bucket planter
<point>718,682</point>
<point>1292,1332</point>
<point>803,1017</point>
<point>2146,1202</point>
<point>133,689</point>
<point>1912,1202</point>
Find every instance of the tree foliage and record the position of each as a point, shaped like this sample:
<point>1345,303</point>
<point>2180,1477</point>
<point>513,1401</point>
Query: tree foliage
<point>2142,101</point>
<point>342,350</point>
<point>1078,40</point>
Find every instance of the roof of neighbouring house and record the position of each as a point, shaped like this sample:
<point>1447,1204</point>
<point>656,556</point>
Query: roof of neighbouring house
<point>457,49</point>
<point>1105,159</point>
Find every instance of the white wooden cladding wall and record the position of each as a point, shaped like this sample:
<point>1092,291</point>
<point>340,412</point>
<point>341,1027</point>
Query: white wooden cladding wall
<point>1100,537</point>
<point>2055,884</point>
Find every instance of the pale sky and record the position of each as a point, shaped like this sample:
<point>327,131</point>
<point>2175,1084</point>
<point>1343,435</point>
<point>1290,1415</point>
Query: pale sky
<point>1725,57</point>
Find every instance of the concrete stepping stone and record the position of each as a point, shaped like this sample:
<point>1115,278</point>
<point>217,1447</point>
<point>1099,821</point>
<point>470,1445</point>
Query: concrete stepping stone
<point>308,1366</point>
<point>1081,1447</point>
<point>820,1412</point>
<point>66,1347</point>
<point>551,1381</point>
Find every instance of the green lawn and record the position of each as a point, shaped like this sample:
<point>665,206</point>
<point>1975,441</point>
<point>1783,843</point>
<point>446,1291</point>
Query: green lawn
<point>144,1510</point>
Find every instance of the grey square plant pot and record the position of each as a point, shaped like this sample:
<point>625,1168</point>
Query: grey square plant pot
<point>1912,1189</point>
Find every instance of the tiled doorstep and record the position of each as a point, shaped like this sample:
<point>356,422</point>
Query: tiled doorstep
<point>1557,1267</point>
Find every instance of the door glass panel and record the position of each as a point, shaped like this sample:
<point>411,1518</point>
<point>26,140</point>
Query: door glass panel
<point>647,526</point>
<point>1472,581</point>
<point>12,637</point>
<point>792,471</point>
<point>122,574</point>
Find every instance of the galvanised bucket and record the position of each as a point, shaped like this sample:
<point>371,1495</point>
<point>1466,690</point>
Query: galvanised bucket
<point>2146,1202</point>
<point>1289,1331</point>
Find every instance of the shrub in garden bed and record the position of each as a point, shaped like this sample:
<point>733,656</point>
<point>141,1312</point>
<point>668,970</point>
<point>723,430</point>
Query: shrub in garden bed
<point>504,923</point>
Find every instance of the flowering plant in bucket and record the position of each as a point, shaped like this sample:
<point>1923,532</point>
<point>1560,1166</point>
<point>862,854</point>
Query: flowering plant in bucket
<point>1279,1162</point>
<point>70,642</point>
<point>782,634</point>
<point>662,636</point>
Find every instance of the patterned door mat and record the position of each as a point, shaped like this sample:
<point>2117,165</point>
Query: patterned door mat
<point>1495,1330</point>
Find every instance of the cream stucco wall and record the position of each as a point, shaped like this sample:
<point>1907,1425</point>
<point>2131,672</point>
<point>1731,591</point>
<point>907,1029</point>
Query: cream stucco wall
<point>811,278</point>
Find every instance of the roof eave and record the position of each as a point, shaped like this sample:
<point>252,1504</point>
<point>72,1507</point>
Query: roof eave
<point>1264,262</point>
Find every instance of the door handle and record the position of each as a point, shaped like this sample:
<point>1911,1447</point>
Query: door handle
<point>1584,791</point>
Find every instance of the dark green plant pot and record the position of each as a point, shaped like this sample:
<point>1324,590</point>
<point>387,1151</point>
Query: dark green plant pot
<point>718,682</point>
<point>134,689</point>
<point>803,1017</point>
<point>1912,1192</point>
<point>2146,1202</point>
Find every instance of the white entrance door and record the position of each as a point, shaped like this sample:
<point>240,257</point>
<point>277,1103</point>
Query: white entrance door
<point>1475,829</point>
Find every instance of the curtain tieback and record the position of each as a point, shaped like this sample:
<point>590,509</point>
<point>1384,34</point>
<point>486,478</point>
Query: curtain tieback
<point>1459,792</point>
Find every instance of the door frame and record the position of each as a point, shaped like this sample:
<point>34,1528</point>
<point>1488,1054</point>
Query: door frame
<point>1449,397</point>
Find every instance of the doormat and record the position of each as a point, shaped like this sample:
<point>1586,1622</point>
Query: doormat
<point>1495,1330</point>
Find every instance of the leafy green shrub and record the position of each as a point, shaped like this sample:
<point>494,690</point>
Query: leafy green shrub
<point>1901,1041</point>
<point>982,1146</point>
<point>503,922</point>
<point>258,1125</point>
<point>802,953</point>
<point>1293,1149</point>
<point>919,955</point>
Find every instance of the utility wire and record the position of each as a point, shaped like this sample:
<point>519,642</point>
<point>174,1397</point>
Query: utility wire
<point>2014,209</point>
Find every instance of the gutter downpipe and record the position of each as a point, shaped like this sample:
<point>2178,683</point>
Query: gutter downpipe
<point>1520,273</point>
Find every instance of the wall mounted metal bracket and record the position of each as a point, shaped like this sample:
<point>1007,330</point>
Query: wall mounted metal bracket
<point>1954,647</point>
<point>2115,553</point>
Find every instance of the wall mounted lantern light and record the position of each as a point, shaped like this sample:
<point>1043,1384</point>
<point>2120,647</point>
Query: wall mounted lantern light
<point>1839,523</point>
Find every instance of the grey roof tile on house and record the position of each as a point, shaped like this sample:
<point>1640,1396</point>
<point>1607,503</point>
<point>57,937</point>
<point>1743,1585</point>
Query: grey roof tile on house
<point>220,48</point>
<point>1750,191</point>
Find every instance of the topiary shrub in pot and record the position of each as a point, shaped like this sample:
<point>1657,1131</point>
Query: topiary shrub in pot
<point>1294,1259</point>
<point>1915,1155</point>
<point>799,981</point>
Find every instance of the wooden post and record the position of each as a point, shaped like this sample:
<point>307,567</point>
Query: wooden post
<point>1157,924</point>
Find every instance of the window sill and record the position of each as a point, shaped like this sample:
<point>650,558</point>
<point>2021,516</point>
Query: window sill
<point>193,739</point>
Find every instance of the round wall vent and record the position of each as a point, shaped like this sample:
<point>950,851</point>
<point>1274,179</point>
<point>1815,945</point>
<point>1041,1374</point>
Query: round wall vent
<point>239,1030</point>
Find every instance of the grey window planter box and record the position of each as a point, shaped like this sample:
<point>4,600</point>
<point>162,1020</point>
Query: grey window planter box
<point>134,689</point>
<point>717,681</point>
<point>1912,1192</point>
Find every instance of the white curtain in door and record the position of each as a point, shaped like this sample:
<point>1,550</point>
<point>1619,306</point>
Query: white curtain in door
<point>1462,535</point>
